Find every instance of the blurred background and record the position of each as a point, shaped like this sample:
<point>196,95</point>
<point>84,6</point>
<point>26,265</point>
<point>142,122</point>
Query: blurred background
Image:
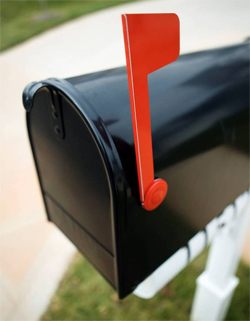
<point>42,275</point>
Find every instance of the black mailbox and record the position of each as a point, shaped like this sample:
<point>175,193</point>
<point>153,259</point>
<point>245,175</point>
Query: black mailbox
<point>80,130</point>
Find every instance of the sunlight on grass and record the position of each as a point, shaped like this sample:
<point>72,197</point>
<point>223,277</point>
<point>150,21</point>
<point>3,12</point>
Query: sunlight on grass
<point>21,20</point>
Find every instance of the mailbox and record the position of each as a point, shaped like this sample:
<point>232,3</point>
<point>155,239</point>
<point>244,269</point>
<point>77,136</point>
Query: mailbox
<point>81,134</point>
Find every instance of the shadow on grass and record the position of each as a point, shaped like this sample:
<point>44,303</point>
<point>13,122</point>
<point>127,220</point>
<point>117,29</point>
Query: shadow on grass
<point>84,295</point>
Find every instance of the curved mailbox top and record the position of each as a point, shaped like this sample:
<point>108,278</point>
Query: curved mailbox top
<point>194,103</point>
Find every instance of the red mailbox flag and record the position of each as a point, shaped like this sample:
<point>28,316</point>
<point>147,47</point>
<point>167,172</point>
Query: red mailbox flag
<point>152,41</point>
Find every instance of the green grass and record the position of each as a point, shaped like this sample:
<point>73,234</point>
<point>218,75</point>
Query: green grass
<point>84,295</point>
<point>21,20</point>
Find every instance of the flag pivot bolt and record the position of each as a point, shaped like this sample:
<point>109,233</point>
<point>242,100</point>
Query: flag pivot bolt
<point>155,194</point>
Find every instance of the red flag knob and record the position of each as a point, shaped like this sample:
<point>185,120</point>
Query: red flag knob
<point>155,194</point>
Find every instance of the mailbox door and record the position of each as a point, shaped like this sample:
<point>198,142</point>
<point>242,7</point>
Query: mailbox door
<point>74,179</point>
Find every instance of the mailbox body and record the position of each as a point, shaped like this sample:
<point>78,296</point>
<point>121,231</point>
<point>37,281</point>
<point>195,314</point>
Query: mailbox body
<point>87,173</point>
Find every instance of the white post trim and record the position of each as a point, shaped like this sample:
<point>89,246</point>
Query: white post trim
<point>216,285</point>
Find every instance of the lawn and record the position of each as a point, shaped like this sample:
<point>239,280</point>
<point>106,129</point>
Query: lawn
<point>84,295</point>
<point>21,19</point>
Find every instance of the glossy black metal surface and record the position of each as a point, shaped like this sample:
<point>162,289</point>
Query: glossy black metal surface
<point>200,130</point>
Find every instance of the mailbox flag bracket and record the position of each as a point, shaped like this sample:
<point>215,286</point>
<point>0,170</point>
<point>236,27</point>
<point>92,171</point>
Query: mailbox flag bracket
<point>152,41</point>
